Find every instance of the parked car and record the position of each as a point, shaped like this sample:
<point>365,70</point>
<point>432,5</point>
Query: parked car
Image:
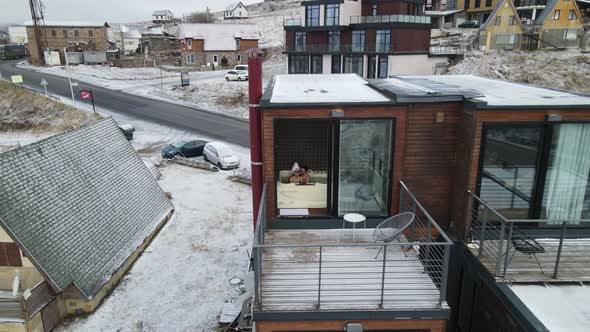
<point>469,24</point>
<point>221,155</point>
<point>184,148</point>
<point>241,67</point>
<point>236,75</point>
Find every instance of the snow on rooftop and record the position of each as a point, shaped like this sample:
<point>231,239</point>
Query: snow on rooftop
<point>218,31</point>
<point>313,89</point>
<point>558,307</point>
<point>504,93</point>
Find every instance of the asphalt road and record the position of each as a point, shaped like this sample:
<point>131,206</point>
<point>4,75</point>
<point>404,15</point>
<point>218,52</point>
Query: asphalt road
<point>200,122</point>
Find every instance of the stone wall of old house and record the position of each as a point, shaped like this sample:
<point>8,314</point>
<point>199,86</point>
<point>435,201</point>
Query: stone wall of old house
<point>206,58</point>
<point>59,37</point>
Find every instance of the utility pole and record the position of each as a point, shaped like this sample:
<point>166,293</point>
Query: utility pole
<point>207,14</point>
<point>38,22</point>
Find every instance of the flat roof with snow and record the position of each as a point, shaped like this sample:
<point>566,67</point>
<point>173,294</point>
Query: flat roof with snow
<point>558,307</point>
<point>484,92</point>
<point>321,89</point>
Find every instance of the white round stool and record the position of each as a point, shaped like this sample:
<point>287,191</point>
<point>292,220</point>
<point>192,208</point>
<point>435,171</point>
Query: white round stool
<point>354,218</point>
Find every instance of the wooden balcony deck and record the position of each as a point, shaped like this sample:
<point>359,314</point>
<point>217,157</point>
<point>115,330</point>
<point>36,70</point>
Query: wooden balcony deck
<point>574,265</point>
<point>351,277</point>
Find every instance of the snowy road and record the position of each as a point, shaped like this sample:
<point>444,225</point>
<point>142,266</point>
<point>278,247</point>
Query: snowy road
<point>216,126</point>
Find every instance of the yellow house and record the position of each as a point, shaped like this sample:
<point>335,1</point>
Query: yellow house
<point>560,25</point>
<point>502,29</point>
<point>76,210</point>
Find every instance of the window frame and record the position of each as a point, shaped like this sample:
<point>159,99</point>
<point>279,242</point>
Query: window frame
<point>334,41</point>
<point>572,15</point>
<point>300,35</point>
<point>310,19</point>
<point>383,46</point>
<point>498,20</point>
<point>556,14</point>
<point>332,9</point>
<point>359,45</point>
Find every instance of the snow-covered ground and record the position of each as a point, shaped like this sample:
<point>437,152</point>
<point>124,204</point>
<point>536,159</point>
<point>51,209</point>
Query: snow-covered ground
<point>181,280</point>
<point>207,90</point>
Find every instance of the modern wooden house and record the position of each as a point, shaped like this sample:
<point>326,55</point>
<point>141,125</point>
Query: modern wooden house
<point>502,29</point>
<point>485,162</point>
<point>76,210</point>
<point>560,25</point>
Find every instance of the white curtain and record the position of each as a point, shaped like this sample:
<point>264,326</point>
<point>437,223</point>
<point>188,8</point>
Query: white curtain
<point>567,177</point>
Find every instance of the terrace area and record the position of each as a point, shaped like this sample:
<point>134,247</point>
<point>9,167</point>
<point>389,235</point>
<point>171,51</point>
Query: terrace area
<point>528,250</point>
<point>311,270</point>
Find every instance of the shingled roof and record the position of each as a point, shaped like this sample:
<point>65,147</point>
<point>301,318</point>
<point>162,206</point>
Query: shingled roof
<point>79,204</point>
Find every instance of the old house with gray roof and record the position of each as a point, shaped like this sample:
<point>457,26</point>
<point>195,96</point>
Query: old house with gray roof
<point>76,210</point>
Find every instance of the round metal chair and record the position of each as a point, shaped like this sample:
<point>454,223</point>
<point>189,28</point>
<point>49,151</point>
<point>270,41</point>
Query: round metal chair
<point>392,228</point>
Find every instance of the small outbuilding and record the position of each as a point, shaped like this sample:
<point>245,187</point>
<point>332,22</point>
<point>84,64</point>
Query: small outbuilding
<point>235,10</point>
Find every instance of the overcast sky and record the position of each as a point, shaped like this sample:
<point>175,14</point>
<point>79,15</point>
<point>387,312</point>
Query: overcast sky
<point>115,11</point>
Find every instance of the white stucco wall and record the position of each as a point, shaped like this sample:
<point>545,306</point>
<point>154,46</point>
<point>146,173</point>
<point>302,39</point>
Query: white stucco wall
<point>18,35</point>
<point>327,64</point>
<point>419,64</point>
<point>349,8</point>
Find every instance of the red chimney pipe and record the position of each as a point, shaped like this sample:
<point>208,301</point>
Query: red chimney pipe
<point>255,93</point>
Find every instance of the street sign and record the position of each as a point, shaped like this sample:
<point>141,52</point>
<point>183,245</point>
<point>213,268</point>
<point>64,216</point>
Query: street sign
<point>44,82</point>
<point>74,83</point>
<point>184,80</point>
<point>85,94</point>
<point>16,79</point>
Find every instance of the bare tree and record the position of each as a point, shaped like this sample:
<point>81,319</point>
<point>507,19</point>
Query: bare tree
<point>200,17</point>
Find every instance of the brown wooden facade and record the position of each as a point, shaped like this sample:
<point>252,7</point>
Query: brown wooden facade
<point>368,325</point>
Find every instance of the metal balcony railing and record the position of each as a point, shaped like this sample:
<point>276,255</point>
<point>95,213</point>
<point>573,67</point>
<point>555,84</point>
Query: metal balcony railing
<point>292,22</point>
<point>340,48</point>
<point>319,269</point>
<point>527,250</point>
<point>530,3</point>
<point>390,19</point>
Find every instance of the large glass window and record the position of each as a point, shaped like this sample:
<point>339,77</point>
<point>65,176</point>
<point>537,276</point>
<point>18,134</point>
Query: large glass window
<point>567,189</point>
<point>336,64</point>
<point>365,150</point>
<point>334,41</point>
<point>300,41</point>
<point>358,41</point>
<point>298,64</point>
<point>382,70</point>
<point>312,14</point>
<point>316,64</point>
<point>509,169</point>
<point>383,41</point>
<point>332,14</point>
<point>537,171</point>
<point>371,66</point>
<point>353,64</point>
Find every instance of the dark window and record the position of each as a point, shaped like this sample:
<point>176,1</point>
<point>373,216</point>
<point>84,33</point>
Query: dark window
<point>358,41</point>
<point>467,4</point>
<point>498,20</point>
<point>572,15</point>
<point>488,3</point>
<point>316,64</point>
<point>336,64</point>
<point>556,14</point>
<point>374,10</point>
<point>537,171</point>
<point>371,66</point>
<point>353,64</point>
<point>313,16</point>
<point>383,41</point>
<point>512,20</point>
<point>90,33</point>
<point>238,43</point>
<point>300,41</point>
<point>76,33</point>
<point>53,33</point>
<point>477,3</point>
<point>10,254</point>
<point>382,69</point>
<point>413,9</point>
<point>332,14</point>
<point>298,64</point>
<point>334,41</point>
<point>65,33</point>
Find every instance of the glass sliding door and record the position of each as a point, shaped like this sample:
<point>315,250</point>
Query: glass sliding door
<point>567,189</point>
<point>365,148</point>
<point>509,170</point>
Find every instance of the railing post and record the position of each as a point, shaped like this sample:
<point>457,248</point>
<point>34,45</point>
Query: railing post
<point>320,280</point>
<point>257,276</point>
<point>383,275</point>
<point>413,225</point>
<point>401,199</point>
<point>445,272</point>
<point>500,247</point>
<point>563,225</point>
<point>483,231</point>
<point>469,214</point>
<point>508,241</point>
<point>428,240</point>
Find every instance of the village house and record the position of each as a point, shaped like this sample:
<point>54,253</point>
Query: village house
<point>76,210</point>
<point>488,170</point>
<point>75,36</point>
<point>444,13</point>
<point>373,39</point>
<point>480,10</point>
<point>560,25</point>
<point>163,16</point>
<point>502,29</point>
<point>235,11</point>
<point>216,44</point>
<point>18,34</point>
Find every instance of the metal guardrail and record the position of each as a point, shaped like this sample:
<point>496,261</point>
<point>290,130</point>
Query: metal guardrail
<point>529,3</point>
<point>424,236</point>
<point>340,48</point>
<point>446,50</point>
<point>292,22</point>
<point>390,19</point>
<point>495,238</point>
